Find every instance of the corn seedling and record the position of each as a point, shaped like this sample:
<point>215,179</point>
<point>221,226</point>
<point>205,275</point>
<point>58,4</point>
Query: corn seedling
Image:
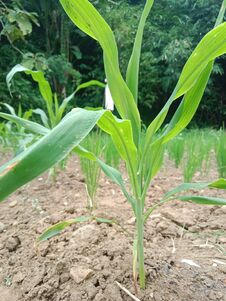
<point>15,136</point>
<point>143,160</point>
<point>110,152</point>
<point>193,156</point>
<point>175,149</point>
<point>54,110</point>
<point>192,151</point>
<point>91,169</point>
<point>198,146</point>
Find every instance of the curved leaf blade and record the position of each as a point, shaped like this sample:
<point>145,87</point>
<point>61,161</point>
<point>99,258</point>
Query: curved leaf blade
<point>43,116</point>
<point>192,83</point>
<point>59,227</point>
<point>37,76</point>
<point>210,47</point>
<point>219,184</point>
<point>49,150</point>
<point>203,200</point>
<point>27,124</point>
<point>86,17</point>
<point>109,171</point>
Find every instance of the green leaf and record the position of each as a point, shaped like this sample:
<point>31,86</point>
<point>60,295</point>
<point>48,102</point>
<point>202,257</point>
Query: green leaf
<point>109,171</point>
<point>84,153</point>
<point>219,184</point>
<point>132,75</point>
<point>152,164</point>
<point>104,220</point>
<point>188,106</point>
<point>28,125</point>
<point>122,136</point>
<point>59,227</point>
<point>86,17</point>
<point>43,116</point>
<point>203,200</point>
<point>90,84</point>
<point>220,17</point>
<point>60,111</point>
<point>10,108</point>
<point>37,76</point>
<point>49,150</point>
<point>44,86</point>
<point>192,82</point>
<point>121,133</point>
<point>211,46</point>
<point>116,177</point>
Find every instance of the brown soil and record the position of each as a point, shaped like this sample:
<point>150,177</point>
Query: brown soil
<point>86,260</point>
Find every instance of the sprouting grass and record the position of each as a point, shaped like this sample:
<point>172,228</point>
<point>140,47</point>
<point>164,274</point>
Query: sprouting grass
<point>220,150</point>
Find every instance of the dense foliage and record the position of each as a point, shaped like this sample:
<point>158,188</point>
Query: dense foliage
<point>69,57</point>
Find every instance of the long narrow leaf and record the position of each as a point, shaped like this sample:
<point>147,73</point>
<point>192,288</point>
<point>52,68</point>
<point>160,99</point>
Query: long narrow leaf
<point>44,86</point>
<point>86,17</point>
<point>121,133</point>
<point>109,171</point>
<point>28,125</point>
<point>10,108</point>
<point>116,177</point>
<point>132,75</point>
<point>203,200</point>
<point>192,81</point>
<point>188,106</point>
<point>59,227</point>
<point>210,47</point>
<point>65,102</point>
<point>37,76</point>
<point>43,116</point>
<point>49,150</point>
<point>219,184</point>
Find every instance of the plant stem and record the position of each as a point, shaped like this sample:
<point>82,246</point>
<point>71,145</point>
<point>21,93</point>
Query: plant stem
<point>140,242</point>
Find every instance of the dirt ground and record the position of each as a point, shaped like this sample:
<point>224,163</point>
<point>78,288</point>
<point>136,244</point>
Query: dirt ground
<point>185,244</point>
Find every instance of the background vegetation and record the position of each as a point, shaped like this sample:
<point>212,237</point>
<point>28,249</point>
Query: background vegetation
<point>39,34</point>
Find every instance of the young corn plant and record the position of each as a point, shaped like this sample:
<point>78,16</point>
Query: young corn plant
<point>176,148</point>
<point>16,138</point>
<point>198,145</point>
<point>142,160</point>
<point>54,110</point>
<point>90,168</point>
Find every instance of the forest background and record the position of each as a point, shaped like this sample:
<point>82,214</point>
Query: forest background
<point>38,34</point>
